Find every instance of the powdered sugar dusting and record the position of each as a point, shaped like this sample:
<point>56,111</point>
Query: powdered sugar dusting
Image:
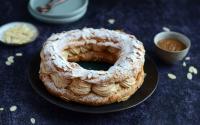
<point>132,52</point>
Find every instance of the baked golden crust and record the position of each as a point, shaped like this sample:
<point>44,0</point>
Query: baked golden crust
<point>66,79</point>
<point>93,99</point>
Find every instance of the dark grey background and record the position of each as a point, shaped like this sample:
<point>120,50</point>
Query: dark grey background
<point>174,102</point>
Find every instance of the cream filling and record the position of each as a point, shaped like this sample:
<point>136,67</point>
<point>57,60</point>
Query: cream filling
<point>128,82</point>
<point>59,82</point>
<point>105,90</point>
<point>80,87</point>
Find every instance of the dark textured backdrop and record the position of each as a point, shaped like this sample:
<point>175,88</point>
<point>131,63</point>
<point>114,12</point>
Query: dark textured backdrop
<point>174,102</point>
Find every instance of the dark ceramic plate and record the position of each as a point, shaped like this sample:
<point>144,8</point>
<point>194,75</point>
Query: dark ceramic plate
<point>146,90</point>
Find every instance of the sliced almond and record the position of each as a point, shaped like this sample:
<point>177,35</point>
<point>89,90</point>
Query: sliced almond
<point>10,59</point>
<point>192,69</point>
<point>111,21</point>
<point>189,76</point>
<point>1,109</point>
<point>32,120</point>
<point>184,64</point>
<point>13,108</point>
<point>18,54</point>
<point>171,76</point>
<point>8,63</point>
<point>166,29</point>
<point>187,58</point>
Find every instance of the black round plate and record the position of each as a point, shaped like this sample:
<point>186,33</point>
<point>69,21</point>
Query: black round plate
<point>146,90</point>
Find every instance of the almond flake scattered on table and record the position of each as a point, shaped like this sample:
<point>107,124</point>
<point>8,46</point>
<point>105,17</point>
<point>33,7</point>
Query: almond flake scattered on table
<point>13,108</point>
<point>166,29</point>
<point>184,64</point>
<point>193,70</point>
<point>171,76</point>
<point>10,59</point>
<point>18,54</point>
<point>1,109</point>
<point>111,21</point>
<point>187,58</point>
<point>189,76</point>
<point>32,120</point>
<point>8,63</point>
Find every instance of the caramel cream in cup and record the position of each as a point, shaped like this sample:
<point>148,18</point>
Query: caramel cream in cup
<point>171,46</point>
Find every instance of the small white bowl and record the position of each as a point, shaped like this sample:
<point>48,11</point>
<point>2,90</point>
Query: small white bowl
<point>7,26</point>
<point>171,56</point>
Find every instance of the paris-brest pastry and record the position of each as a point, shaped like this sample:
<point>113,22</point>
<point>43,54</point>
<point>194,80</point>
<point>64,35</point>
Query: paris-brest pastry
<point>65,78</point>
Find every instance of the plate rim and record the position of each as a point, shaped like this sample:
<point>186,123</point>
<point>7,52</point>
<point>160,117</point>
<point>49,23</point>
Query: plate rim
<point>89,111</point>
